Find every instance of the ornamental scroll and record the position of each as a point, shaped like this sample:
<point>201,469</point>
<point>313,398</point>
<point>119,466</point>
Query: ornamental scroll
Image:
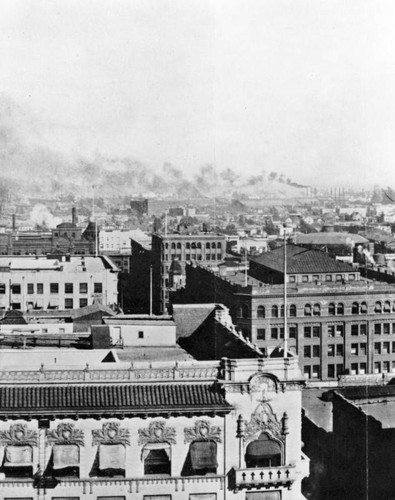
<point>157,432</point>
<point>18,435</point>
<point>66,434</point>
<point>111,433</point>
<point>263,420</point>
<point>202,431</point>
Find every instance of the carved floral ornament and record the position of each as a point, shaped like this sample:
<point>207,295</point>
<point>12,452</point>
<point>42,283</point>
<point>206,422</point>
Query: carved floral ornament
<point>157,432</point>
<point>65,434</point>
<point>202,431</point>
<point>263,383</point>
<point>263,420</point>
<point>18,434</point>
<point>111,433</point>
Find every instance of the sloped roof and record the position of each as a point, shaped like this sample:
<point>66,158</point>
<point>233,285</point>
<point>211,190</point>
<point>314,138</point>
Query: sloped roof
<point>133,399</point>
<point>301,260</point>
<point>188,317</point>
<point>367,391</point>
<point>13,317</point>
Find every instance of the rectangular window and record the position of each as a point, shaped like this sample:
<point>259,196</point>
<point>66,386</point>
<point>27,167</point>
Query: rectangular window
<point>331,350</point>
<point>328,277</point>
<point>292,332</point>
<point>339,369</point>
<point>16,288</point>
<point>377,367</point>
<point>362,368</point>
<point>307,371</point>
<point>260,334</point>
<point>307,351</point>
<point>351,277</point>
<point>274,333</point>
<point>338,277</point>
<point>98,288</point>
<point>386,347</point>
<point>386,367</point>
<point>354,368</point>
<point>393,327</point>
<point>362,329</point>
<point>150,497</point>
<point>141,334</point>
<point>316,371</point>
<point>393,347</point>
<point>291,279</point>
<point>316,331</point>
<point>2,288</point>
<point>54,287</point>
<point>40,288</point>
<point>68,304</point>
<point>339,330</point>
<point>354,330</point>
<point>83,302</point>
<point>331,330</point>
<point>386,328</point>
<point>331,371</point>
<point>305,279</point>
<point>307,332</point>
<point>68,288</point>
<point>203,496</point>
<point>339,350</point>
<point>281,333</point>
<point>112,497</point>
<point>83,287</point>
<point>377,348</point>
<point>354,349</point>
<point>362,349</point>
<point>377,329</point>
<point>30,288</point>
<point>393,367</point>
<point>316,277</point>
<point>316,351</point>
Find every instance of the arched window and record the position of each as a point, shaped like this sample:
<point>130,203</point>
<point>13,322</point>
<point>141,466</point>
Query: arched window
<point>317,310</point>
<point>282,311</point>
<point>219,245</point>
<point>166,246</point>
<point>364,308</point>
<point>198,245</point>
<point>193,245</point>
<point>331,309</point>
<point>355,308</point>
<point>307,310</point>
<point>187,245</point>
<point>261,312</point>
<point>340,308</point>
<point>179,246</point>
<point>173,246</point>
<point>207,245</point>
<point>213,244</point>
<point>387,306</point>
<point>292,310</point>
<point>263,452</point>
<point>378,307</point>
<point>244,311</point>
<point>274,311</point>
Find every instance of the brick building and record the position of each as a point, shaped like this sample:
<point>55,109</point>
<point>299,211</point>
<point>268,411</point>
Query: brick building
<point>337,322</point>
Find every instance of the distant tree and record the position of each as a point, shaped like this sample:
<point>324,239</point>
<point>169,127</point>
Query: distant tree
<point>306,228</point>
<point>272,176</point>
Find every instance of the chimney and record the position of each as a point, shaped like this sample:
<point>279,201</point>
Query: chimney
<point>13,222</point>
<point>74,216</point>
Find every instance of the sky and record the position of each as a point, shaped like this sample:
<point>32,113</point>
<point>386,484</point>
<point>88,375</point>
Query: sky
<point>302,87</point>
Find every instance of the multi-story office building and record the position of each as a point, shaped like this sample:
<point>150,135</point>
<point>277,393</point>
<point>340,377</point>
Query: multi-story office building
<point>337,322</point>
<point>175,431</point>
<point>62,282</point>
<point>171,252</point>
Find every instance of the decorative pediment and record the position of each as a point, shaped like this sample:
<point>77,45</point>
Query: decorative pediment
<point>66,434</point>
<point>111,433</point>
<point>263,420</point>
<point>157,432</point>
<point>264,384</point>
<point>202,431</point>
<point>18,434</point>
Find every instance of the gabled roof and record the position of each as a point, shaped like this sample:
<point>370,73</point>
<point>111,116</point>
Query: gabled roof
<point>301,260</point>
<point>112,399</point>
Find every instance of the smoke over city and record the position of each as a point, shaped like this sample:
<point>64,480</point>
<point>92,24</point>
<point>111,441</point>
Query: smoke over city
<point>42,217</point>
<point>37,169</point>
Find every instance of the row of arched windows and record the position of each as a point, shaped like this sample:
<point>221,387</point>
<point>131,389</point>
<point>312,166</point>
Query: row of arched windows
<point>334,309</point>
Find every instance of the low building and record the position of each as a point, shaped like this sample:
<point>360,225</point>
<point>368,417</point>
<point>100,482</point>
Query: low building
<point>59,282</point>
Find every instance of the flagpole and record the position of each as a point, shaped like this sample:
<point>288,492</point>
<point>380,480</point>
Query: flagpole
<point>285,298</point>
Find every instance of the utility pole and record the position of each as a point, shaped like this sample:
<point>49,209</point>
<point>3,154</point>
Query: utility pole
<point>285,297</point>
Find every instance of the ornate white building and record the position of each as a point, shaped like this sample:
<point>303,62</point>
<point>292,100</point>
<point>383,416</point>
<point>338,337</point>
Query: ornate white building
<point>153,431</point>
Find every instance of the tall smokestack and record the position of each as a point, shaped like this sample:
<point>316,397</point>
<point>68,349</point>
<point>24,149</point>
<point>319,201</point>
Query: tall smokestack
<point>13,222</point>
<point>74,216</point>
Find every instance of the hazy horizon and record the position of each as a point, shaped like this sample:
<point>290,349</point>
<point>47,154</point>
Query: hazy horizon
<point>299,87</point>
